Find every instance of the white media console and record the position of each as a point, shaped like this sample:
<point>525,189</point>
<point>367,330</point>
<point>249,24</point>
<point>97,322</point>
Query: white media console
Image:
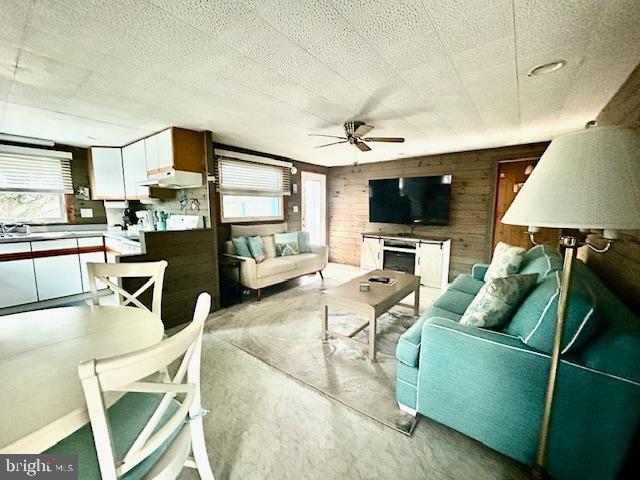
<point>424,257</point>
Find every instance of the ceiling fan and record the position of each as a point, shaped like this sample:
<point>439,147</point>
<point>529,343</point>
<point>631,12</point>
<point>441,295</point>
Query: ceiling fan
<point>354,133</point>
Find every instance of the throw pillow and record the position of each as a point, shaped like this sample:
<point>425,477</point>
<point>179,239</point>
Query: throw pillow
<point>241,246</point>
<point>506,261</point>
<point>269,245</point>
<point>497,300</point>
<point>255,247</point>
<point>535,320</point>
<point>303,242</point>
<point>286,244</point>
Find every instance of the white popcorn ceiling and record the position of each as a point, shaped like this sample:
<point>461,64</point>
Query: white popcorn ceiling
<point>448,75</point>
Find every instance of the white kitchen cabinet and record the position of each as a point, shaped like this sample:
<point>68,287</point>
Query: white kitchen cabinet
<point>58,275</point>
<point>134,164</point>
<point>159,150</point>
<point>95,257</point>
<point>371,254</point>
<point>17,278</point>
<point>17,283</point>
<point>151,154</point>
<point>165,150</point>
<point>107,174</point>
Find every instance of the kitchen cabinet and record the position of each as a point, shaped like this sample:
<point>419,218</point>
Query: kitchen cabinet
<point>107,174</point>
<point>57,275</point>
<point>159,152</point>
<point>95,257</point>
<point>174,149</point>
<point>17,277</point>
<point>134,164</point>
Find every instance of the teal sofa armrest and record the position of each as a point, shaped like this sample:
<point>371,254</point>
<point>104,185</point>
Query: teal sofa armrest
<point>490,386</point>
<point>478,271</point>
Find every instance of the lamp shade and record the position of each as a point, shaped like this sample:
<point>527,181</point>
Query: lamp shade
<point>588,180</point>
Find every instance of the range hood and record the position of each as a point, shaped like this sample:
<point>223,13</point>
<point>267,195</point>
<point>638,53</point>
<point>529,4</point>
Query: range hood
<point>173,179</point>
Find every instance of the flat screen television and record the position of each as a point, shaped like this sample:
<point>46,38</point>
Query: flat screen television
<point>410,200</point>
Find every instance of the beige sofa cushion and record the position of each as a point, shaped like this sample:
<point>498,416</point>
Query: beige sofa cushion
<point>257,230</point>
<point>307,261</point>
<point>274,266</point>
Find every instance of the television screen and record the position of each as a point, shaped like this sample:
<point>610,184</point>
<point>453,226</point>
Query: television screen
<point>410,200</point>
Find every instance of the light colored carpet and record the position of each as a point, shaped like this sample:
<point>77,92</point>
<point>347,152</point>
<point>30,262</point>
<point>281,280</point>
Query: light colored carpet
<point>284,330</point>
<point>265,425</point>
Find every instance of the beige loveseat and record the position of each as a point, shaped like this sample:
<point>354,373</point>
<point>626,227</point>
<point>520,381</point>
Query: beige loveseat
<point>274,269</point>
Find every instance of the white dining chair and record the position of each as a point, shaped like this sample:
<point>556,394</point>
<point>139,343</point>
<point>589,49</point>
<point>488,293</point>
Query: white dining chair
<point>165,430</point>
<point>107,272</point>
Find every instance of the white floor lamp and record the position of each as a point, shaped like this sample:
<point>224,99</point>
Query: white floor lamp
<point>587,180</point>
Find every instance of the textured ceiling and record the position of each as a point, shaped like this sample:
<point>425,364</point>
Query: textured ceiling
<point>448,75</point>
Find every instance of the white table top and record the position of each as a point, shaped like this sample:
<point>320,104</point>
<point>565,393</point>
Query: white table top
<point>41,398</point>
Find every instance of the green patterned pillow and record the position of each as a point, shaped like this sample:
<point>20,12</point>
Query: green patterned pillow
<point>496,301</point>
<point>286,244</point>
<point>506,261</point>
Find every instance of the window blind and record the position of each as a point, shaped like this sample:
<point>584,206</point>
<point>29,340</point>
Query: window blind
<point>35,173</point>
<point>239,177</point>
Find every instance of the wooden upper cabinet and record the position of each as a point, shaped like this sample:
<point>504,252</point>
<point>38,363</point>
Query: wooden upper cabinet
<point>175,149</point>
<point>107,175</point>
<point>134,163</point>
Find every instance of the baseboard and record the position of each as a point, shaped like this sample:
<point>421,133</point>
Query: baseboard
<point>411,411</point>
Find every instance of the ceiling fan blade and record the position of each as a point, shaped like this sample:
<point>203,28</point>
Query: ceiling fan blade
<point>320,135</point>
<point>384,139</point>
<point>333,143</point>
<point>362,130</point>
<point>362,146</point>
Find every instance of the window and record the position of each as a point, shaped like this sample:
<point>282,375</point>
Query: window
<point>251,191</point>
<point>33,183</point>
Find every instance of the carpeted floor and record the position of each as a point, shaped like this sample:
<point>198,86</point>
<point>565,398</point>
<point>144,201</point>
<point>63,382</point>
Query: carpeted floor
<point>283,330</point>
<point>265,425</point>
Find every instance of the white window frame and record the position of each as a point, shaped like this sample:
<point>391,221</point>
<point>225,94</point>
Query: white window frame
<point>251,191</point>
<point>38,152</point>
<point>226,219</point>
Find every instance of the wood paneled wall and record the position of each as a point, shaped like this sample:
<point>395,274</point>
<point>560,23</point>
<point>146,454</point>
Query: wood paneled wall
<point>472,202</point>
<point>619,268</point>
<point>192,269</point>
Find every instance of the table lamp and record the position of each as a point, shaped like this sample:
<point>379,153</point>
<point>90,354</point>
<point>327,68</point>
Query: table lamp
<point>589,181</point>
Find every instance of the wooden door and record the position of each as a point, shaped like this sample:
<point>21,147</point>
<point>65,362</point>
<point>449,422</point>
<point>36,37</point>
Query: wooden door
<point>511,177</point>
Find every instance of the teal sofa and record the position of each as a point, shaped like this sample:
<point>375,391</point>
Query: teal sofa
<point>490,385</point>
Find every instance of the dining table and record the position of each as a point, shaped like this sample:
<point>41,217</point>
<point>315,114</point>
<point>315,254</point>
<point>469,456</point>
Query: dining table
<point>41,397</point>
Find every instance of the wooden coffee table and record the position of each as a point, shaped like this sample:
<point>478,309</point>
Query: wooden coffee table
<point>369,305</point>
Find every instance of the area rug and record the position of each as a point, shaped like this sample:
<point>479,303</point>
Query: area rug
<point>284,331</point>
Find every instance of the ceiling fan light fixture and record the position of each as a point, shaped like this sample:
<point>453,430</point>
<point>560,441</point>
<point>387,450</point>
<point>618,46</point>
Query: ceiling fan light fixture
<point>547,68</point>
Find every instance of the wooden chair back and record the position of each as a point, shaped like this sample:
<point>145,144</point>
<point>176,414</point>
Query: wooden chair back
<point>106,272</point>
<point>129,373</point>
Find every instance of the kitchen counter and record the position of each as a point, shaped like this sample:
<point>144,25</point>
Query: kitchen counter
<point>36,236</point>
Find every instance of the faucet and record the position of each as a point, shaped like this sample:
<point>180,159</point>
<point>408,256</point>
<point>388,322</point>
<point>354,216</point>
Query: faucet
<point>5,229</point>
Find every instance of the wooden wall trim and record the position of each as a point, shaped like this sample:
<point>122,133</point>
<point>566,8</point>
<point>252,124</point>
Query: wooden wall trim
<point>6,257</point>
